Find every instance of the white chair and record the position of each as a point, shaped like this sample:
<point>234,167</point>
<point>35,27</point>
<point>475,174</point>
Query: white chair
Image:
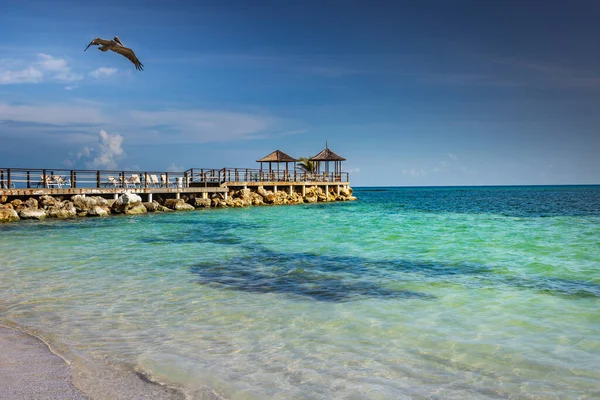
<point>134,180</point>
<point>164,181</point>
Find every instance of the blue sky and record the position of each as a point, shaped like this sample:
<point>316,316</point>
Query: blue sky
<point>411,93</point>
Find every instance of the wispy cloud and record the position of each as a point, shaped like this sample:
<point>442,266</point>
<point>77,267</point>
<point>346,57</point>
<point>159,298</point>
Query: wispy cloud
<point>544,73</point>
<point>44,68</point>
<point>150,127</point>
<point>414,172</point>
<point>103,72</point>
<point>175,168</point>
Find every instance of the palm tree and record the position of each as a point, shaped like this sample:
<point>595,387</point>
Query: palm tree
<point>306,165</point>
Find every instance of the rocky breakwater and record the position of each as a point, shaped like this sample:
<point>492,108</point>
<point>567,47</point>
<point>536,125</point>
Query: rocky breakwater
<point>132,204</point>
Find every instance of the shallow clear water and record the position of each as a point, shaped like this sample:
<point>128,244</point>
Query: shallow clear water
<point>407,293</point>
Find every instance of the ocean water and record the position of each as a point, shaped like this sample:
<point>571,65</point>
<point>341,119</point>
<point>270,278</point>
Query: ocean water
<point>480,293</point>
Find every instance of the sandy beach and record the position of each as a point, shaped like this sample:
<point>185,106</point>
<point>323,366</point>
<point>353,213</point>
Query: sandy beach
<point>29,370</point>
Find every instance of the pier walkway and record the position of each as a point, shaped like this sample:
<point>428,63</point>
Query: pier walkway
<point>204,181</point>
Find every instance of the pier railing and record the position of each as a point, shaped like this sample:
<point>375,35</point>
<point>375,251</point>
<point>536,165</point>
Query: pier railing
<point>57,178</point>
<point>201,175</point>
<point>31,178</point>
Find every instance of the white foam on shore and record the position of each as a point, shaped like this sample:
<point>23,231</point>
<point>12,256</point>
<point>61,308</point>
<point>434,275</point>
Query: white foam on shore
<point>94,379</point>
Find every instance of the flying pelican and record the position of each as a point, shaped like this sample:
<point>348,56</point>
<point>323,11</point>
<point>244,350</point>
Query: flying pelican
<point>117,46</point>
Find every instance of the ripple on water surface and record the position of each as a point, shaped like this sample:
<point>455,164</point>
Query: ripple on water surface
<point>409,292</point>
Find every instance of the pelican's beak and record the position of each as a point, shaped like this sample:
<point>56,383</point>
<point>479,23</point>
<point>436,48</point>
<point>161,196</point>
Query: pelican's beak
<point>87,47</point>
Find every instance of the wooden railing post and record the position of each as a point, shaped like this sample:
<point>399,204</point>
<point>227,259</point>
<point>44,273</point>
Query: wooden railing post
<point>28,179</point>
<point>98,179</point>
<point>73,179</point>
<point>8,178</point>
<point>44,178</point>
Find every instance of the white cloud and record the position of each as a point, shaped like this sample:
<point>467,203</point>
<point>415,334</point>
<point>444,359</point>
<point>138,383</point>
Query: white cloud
<point>105,154</point>
<point>103,72</point>
<point>57,68</point>
<point>414,172</point>
<point>175,168</point>
<point>45,68</point>
<point>28,75</point>
<point>454,157</point>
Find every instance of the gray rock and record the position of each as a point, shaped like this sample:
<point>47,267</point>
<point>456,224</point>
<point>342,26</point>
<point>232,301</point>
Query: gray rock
<point>200,202</point>
<point>47,201</point>
<point>152,206</point>
<point>98,211</point>
<point>127,202</point>
<point>178,205</point>
<point>137,209</point>
<point>88,203</point>
<point>31,203</point>
<point>62,213</point>
<point>32,213</point>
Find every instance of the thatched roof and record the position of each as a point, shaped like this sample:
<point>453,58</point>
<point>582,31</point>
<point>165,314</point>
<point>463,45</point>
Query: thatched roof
<point>277,156</point>
<point>327,155</point>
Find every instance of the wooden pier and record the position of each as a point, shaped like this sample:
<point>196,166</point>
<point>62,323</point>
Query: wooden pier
<point>16,182</point>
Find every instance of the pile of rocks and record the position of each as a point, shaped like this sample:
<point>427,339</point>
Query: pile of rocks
<point>131,204</point>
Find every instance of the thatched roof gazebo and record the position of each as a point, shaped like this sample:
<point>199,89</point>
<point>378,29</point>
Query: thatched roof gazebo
<point>278,157</point>
<point>326,156</point>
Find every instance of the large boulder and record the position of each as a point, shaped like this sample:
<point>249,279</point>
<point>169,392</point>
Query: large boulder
<point>3,199</point>
<point>310,198</point>
<point>62,210</point>
<point>246,196</point>
<point>238,203</point>
<point>152,206</point>
<point>8,215</point>
<point>138,209</point>
<point>178,205</point>
<point>17,204</point>
<point>31,203</point>
<point>264,193</point>
<point>85,203</point>
<point>129,203</point>
<point>47,201</point>
<point>98,211</point>
<point>200,202</point>
<point>32,213</point>
<point>216,202</point>
<point>346,192</point>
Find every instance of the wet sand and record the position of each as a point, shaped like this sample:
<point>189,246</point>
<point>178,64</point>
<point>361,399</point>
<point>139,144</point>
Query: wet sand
<point>29,370</point>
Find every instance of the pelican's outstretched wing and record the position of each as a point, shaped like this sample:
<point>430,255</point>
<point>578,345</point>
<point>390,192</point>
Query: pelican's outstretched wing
<point>127,52</point>
<point>96,42</point>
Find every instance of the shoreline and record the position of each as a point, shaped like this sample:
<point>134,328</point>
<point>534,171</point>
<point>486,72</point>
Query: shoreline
<point>31,369</point>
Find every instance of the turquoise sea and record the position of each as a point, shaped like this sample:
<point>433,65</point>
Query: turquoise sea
<point>479,293</point>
